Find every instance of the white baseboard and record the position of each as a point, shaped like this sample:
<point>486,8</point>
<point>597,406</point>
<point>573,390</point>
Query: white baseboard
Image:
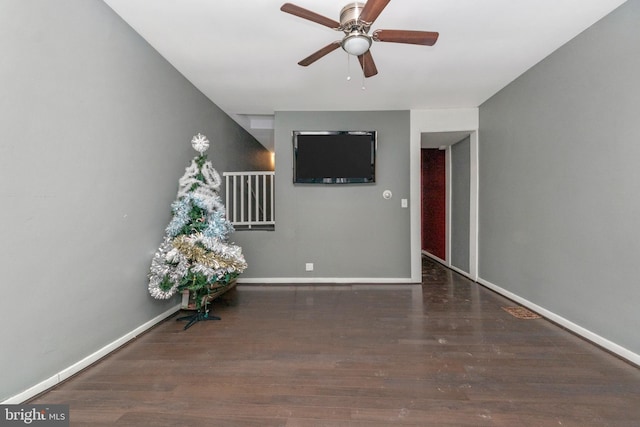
<point>576,329</point>
<point>324,280</point>
<point>253,287</point>
<point>87,361</point>
<point>464,273</point>
<point>440,260</point>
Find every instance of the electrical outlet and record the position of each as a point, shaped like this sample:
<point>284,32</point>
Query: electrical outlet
<point>308,266</point>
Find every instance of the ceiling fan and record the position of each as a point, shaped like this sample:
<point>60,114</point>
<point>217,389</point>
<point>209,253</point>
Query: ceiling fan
<point>355,21</point>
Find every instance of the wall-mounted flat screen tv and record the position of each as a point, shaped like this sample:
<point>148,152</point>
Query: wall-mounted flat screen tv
<point>334,157</point>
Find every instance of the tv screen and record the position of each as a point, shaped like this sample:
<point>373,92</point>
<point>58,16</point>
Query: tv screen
<point>334,157</point>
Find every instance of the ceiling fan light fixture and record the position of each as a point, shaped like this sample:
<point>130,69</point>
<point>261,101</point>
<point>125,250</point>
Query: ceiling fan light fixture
<point>356,43</point>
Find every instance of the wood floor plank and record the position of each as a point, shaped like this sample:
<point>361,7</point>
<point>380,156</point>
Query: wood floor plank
<point>442,353</point>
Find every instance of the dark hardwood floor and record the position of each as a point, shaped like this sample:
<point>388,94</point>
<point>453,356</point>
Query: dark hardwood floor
<point>441,354</point>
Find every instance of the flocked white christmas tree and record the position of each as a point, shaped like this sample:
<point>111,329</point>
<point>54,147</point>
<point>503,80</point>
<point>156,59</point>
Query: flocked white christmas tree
<point>196,254</point>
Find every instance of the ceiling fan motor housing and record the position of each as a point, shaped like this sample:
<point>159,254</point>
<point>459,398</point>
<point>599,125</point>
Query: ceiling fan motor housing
<point>350,18</point>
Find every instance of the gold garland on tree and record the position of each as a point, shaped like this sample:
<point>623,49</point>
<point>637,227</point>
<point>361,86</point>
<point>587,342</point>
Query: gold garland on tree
<point>194,251</point>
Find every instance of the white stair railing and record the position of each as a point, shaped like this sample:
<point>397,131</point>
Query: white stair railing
<point>250,199</point>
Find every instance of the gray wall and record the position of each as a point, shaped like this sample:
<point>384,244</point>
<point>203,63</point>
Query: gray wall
<point>95,130</point>
<point>559,214</point>
<point>347,231</point>
<point>460,203</point>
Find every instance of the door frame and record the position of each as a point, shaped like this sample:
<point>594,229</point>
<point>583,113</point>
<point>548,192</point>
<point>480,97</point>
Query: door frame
<point>430,121</point>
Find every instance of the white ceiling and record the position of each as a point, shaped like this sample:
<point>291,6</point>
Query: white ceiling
<point>243,54</point>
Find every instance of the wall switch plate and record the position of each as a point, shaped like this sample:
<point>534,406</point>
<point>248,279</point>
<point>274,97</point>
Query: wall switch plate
<point>308,266</point>
<point>404,203</point>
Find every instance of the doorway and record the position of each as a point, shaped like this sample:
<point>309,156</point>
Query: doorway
<point>448,196</point>
<point>434,179</point>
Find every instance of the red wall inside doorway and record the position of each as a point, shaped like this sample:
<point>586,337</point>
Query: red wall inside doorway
<point>433,202</point>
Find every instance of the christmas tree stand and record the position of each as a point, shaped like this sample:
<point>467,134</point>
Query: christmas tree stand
<point>197,317</point>
<point>203,312</point>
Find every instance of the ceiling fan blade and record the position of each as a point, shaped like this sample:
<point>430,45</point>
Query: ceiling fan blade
<point>367,64</point>
<point>309,15</point>
<point>425,38</point>
<point>372,10</point>
<point>319,54</point>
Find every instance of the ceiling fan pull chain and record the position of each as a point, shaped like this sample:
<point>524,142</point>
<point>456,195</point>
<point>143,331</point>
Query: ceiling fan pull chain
<point>348,67</point>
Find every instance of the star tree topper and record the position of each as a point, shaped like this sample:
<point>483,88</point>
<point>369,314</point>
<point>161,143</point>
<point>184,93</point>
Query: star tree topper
<point>200,143</point>
<point>204,176</point>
